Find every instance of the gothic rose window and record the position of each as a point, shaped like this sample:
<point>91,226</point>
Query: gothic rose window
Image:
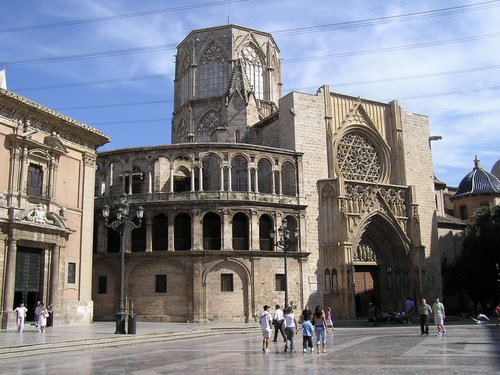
<point>358,159</point>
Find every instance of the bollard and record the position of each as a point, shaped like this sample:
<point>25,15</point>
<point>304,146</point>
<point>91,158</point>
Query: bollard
<point>132,324</point>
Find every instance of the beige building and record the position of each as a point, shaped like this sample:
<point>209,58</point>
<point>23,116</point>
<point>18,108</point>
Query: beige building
<point>47,173</point>
<point>354,176</point>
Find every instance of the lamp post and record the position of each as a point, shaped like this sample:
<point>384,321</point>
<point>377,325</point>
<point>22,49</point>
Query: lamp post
<point>122,224</point>
<point>285,243</point>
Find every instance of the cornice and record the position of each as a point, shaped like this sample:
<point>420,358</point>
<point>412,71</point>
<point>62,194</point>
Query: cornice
<point>18,108</point>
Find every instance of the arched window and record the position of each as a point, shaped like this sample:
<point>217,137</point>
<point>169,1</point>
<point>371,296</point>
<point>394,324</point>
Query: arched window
<point>253,67</point>
<point>211,173</point>
<point>182,232</point>
<point>288,185</point>
<point>212,72</point>
<point>182,180</point>
<point>265,227</point>
<point>208,123</point>
<point>328,281</point>
<point>292,225</point>
<point>265,174</point>
<point>335,280</point>
<point>211,231</point>
<point>139,237</point>
<point>239,173</point>
<point>240,232</point>
<point>160,233</point>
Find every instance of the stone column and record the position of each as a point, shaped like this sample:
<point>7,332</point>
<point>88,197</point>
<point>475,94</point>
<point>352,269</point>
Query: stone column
<point>54,275</point>
<point>256,173</point>
<point>149,233</point>
<point>9,286</point>
<point>198,292</point>
<point>229,179</point>
<point>150,182</point>
<point>226,230</point>
<point>171,234</point>
<point>249,178</point>
<point>130,180</point>
<point>23,178</point>
<point>221,178</point>
<point>171,179</point>
<point>192,179</point>
<point>273,182</point>
<point>196,231</point>
<point>254,231</point>
<point>200,178</point>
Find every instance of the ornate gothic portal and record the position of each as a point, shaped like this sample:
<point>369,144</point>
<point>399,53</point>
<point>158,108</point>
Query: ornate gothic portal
<point>381,268</point>
<point>368,233</point>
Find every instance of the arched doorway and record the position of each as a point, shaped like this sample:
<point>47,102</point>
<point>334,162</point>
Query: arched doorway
<point>381,267</point>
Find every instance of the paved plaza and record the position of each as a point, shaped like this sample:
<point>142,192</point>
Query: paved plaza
<point>166,348</point>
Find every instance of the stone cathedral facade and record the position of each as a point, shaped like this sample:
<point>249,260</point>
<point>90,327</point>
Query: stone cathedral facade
<point>354,176</point>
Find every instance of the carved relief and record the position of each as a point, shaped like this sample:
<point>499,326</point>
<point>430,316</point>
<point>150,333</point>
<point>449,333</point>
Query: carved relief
<point>362,199</point>
<point>213,55</point>
<point>38,216</point>
<point>365,251</point>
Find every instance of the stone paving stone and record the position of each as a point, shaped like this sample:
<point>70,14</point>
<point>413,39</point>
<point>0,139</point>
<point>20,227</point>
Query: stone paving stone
<point>466,349</point>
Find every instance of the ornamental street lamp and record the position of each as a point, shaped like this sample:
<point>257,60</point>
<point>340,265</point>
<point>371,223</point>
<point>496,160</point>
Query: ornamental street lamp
<point>285,243</point>
<point>122,224</point>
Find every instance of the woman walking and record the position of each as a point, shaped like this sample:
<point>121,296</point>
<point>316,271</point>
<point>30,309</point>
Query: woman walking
<point>319,322</point>
<point>42,317</point>
<point>291,328</point>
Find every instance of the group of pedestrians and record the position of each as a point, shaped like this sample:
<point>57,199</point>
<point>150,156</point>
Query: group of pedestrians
<point>285,323</point>
<point>42,313</point>
<point>436,311</point>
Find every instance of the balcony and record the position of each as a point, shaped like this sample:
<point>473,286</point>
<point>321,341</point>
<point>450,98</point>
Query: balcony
<point>143,198</point>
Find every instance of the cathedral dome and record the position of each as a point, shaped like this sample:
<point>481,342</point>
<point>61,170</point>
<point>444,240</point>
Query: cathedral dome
<point>478,181</point>
<point>496,169</point>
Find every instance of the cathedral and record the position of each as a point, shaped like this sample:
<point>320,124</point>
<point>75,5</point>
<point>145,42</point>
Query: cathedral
<point>309,198</point>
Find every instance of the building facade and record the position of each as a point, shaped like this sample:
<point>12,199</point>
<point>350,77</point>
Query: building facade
<point>46,210</point>
<point>354,177</point>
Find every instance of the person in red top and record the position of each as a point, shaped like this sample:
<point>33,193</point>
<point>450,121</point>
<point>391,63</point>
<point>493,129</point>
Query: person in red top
<point>497,312</point>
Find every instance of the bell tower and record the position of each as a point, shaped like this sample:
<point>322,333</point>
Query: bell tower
<point>227,79</point>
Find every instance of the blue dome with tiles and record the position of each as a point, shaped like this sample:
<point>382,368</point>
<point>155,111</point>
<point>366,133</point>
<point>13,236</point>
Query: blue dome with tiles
<point>477,182</point>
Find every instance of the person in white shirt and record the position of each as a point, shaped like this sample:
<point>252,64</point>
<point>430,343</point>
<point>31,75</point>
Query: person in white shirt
<point>278,323</point>
<point>291,328</point>
<point>21,315</point>
<point>266,322</point>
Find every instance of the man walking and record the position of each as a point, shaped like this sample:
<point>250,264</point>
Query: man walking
<point>265,324</point>
<point>439,315</point>
<point>278,323</point>
<point>21,315</point>
<point>425,311</point>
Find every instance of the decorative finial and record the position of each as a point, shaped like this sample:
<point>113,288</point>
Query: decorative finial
<point>476,163</point>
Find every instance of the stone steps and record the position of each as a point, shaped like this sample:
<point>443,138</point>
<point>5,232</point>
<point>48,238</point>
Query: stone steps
<point>66,346</point>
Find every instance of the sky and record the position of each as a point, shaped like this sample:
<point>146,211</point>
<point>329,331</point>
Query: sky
<point>110,63</point>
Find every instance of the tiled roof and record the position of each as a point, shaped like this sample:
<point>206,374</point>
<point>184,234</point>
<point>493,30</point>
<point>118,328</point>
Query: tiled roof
<point>478,181</point>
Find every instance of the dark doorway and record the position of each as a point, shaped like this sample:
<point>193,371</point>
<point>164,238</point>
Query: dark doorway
<point>29,263</point>
<point>366,288</point>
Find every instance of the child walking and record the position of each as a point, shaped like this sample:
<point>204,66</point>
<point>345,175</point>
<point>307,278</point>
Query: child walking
<point>308,330</point>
